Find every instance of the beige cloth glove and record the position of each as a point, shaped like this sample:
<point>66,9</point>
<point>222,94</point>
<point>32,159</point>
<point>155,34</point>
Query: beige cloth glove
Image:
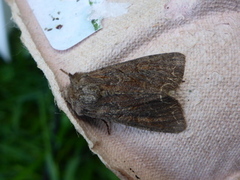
<point>207,32</point>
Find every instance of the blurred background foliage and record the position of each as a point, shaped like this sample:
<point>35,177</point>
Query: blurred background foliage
<point>37,141</point>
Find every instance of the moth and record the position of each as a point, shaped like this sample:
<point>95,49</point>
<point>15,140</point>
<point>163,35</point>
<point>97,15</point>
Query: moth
<point>135,93</point>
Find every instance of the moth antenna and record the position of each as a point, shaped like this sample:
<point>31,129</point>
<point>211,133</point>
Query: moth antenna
<point>65,72</point>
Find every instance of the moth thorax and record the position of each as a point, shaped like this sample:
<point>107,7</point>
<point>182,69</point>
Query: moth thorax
<point>90,94</point>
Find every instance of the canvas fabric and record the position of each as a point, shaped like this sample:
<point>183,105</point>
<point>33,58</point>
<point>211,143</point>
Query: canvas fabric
<point>207,32</point>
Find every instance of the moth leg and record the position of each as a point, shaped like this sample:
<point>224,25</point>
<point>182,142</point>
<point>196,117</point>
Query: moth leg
<point>108,127</point>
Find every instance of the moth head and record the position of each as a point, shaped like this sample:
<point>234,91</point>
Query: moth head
<point>74,78</point>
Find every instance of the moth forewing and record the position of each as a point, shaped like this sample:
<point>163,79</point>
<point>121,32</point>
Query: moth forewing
<point>134,93</point>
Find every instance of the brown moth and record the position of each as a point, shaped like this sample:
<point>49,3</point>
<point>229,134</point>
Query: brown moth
<point>135,93</point>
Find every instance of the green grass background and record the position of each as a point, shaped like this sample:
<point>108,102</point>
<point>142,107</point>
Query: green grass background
<point>37,141</point>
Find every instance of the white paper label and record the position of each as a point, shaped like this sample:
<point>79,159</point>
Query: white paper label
<point>67,22</point>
